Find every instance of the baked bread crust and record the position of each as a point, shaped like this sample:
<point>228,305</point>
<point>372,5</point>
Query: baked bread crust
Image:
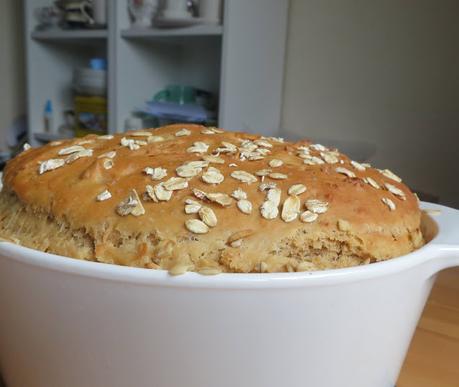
<point>54,200</point>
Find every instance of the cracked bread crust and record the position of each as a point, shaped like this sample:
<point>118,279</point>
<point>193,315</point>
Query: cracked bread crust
<point>59,210</point>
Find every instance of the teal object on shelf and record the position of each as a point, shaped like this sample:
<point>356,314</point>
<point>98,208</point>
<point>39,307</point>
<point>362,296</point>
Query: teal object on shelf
<point>177,94</point>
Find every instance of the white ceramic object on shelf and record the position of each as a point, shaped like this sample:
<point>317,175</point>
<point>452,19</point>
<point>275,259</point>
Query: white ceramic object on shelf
<point>162,22</point>
<point>175,9</point>
<point>73,323</point>
<point>99,12</point>
<point>210,11</point>
<point>142,12</point>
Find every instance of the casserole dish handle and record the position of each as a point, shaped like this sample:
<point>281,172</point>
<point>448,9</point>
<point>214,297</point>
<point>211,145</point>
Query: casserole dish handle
<point>446,242</point>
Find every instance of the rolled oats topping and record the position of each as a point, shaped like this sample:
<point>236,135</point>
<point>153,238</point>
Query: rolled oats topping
<point>297,189</point>
<point>278,176</point>
<point>269,210</point>
<point>197,164</point>
<point>175,183</point>
<point>319,147</point>
<point>345,171</point>
<point>275,139</point>
<point>308,216</point>
<point>244,206</point>
<point>208,131</point>
<point>154,138</point>
<point>199,194</point>
<point>389,174</point>
<point>150,194</point>
<point>212,176</point>
<point>183,132</point>
<point>263,172</point>
<point>196,226</point>
<point>198,147</point>
<point>358,166</point>
<point>188,171</point>
<point>316,206</point>
<point>192,208</point>
<point>139,133</point>
<point>251,156</point>
<point>368,180</point>
<point>208,216</point>
<point>71,149</point>
<point>131,205</point>
<point>129,143</point>
<point>50,165</point>
<point>162,193</point>
<point>274,195</point>
<point>157,173</point>
<point>239,194</point>
<point>312,160</point>
<point>396,191</point>
<point>303,150</point>
<point>106,137</point>
<point>244,177</point>
<point>192,201</point>
<point>216,130</point>
<point>248,145</point>
<point>274,163</point>
<point>104,195</point>
<point>220,198</point>
<point>262,151</point>
<point>227,147</point>
<point>330,157</point>
<point>389,203</point>
<point>84,142</point>
<point>75,156</point>
<point>291,208</point>
<point>107,163</point>
<point>213,159</point>
<point>263,143</point>
<point>108,155</point>
<point>266,186</point>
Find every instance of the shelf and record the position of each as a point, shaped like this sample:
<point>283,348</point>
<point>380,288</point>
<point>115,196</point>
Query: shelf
<point>69,34</point>
<point>153,33</point>
<point>46,137</point>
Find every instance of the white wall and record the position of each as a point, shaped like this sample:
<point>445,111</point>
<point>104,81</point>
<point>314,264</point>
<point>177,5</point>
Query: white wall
<point>12,74</point>
<point>384,72</point>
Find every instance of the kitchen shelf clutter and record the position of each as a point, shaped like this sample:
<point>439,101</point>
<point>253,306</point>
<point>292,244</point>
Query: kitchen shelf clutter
<point>233,69</point>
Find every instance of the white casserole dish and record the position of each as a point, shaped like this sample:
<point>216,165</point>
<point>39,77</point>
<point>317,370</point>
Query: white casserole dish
<point>72,323</point>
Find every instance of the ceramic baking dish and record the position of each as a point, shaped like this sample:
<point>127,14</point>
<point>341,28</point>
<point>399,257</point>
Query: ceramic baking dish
<point>72,323</point>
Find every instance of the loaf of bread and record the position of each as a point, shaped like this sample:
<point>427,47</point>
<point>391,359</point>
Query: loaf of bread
<point>190,198</point>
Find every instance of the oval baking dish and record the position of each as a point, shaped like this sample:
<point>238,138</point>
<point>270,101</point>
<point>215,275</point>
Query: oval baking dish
<point>74,323</point>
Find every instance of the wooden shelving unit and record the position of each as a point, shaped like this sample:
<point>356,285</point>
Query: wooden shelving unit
<point>240,61</point>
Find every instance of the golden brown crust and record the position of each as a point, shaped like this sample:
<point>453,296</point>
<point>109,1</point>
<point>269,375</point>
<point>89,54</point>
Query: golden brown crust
<point>70,218</point>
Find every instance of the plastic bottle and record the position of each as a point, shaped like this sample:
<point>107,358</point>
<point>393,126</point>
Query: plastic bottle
<point>48,117</point>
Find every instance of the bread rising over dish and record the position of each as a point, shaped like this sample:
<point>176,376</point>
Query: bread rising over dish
<point>191,198</point>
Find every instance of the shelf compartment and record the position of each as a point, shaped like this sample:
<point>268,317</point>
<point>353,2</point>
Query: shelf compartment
<point>154,33</point>
<point>69,34</point>
<point>47,137</point>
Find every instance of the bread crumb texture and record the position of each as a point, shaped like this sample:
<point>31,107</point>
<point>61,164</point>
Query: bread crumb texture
<point>190,198</point>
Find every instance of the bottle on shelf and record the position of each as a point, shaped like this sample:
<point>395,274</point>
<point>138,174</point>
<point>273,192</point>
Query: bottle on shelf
<point>48,119</point>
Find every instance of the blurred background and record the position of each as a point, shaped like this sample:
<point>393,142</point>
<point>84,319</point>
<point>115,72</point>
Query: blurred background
<point>377,79</point>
